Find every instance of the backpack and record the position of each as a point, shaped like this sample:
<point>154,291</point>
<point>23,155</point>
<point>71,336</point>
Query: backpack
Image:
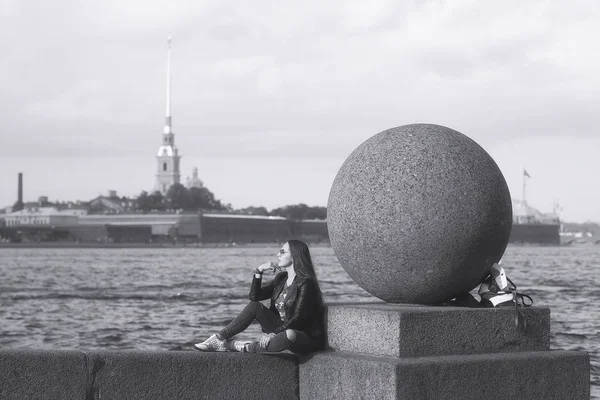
<point>497,290</point>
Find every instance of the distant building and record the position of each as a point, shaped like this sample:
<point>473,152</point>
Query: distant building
<point>194,181</point>
<point>532,226</point>
<point>43,216</point>
<point>167,157</point>
<point>523,213</point>
<point>110,204</point>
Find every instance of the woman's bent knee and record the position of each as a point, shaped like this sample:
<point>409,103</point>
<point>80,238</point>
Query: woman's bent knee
<point>291,335</point>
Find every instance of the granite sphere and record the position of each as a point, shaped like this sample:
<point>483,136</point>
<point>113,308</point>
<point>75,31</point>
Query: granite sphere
<point>418,214</point>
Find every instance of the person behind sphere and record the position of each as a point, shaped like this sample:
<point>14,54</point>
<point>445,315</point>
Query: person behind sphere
<point>294,320</point>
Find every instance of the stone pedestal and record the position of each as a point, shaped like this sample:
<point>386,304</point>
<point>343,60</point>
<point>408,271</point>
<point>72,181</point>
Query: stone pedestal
<point>394,351</point>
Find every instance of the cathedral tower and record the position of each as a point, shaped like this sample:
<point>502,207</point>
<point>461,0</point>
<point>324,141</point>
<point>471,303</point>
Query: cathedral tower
<point>167,158</point>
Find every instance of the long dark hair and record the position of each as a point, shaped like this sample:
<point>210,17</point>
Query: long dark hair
<point>303,264</point>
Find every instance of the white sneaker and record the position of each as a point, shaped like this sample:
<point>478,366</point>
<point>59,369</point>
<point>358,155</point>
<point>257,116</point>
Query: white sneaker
<point>237,345</point>
<point>213,343</point>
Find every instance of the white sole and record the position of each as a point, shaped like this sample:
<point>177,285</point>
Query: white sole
<point>213,351</point>
<point>233,349</point>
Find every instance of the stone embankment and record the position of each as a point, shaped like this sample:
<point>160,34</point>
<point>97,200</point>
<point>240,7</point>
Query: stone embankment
<point>376,351</point>
<point>131,375</point>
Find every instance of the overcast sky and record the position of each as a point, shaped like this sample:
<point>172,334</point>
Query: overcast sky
<point>270,97</point>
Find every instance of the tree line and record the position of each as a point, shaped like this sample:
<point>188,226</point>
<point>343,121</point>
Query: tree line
<point>179,197</point>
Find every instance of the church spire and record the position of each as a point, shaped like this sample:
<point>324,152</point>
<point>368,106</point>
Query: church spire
<point>167,157</point>
<point>168,113</point>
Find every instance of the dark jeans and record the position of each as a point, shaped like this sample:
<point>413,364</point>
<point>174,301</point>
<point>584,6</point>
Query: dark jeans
<point>269,321</point>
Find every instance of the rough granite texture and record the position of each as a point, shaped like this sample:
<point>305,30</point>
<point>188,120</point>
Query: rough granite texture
<point>415,330</point>
<point>43,375</point>
<point>133,375</point>
<point>418,214</point>
<point>525,376</point>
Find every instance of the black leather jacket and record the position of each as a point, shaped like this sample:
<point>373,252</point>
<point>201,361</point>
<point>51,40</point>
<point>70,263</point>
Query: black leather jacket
<point>303,303</point>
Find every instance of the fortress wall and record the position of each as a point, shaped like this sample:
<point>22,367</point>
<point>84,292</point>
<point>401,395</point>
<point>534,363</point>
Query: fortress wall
<point>261,230</point>
<point>310,230</point>
<point>210,228</point>
<point>88,233</point>
<point>138,218</point>
<point>129,233</point>
<point>244,230</point>
<point>115,233</point>
<point>189,226</point>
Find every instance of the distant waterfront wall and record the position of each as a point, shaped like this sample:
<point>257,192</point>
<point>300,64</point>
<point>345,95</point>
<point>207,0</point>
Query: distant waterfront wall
<point>250,229</point>
<point>223,228</point>
<point>131,219</point>
<point>177,227</point>
<point>88,233</point>
<point>310,230</point>
<point>535,234</point>
<point>129,234</point>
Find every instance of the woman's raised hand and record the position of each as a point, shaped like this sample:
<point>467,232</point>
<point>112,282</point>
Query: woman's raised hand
<point>266,267</point>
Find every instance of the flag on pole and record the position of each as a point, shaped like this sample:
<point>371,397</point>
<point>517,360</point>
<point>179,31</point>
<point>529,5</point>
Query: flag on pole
<point>525,173</point>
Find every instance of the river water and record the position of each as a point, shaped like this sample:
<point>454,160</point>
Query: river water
<point>170,298</point>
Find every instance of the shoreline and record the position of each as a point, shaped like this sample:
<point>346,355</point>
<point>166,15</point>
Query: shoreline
<point>181,245</point>
<point>72,245</point>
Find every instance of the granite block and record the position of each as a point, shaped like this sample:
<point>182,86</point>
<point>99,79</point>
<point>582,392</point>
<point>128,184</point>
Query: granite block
<point>558,375</point>
<point>144,375</point>
<point>43,375</point>
<point>417,330</point>
<point>182,375</point>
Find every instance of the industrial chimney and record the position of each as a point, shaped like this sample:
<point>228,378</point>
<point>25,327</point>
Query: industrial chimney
<point>20,193</point>
<point>19,204</point>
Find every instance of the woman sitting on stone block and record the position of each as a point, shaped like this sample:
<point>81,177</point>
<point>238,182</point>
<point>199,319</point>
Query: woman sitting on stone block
<point>294,321</point>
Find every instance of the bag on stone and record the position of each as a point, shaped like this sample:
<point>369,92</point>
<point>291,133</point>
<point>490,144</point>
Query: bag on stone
<point>497,290</point>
